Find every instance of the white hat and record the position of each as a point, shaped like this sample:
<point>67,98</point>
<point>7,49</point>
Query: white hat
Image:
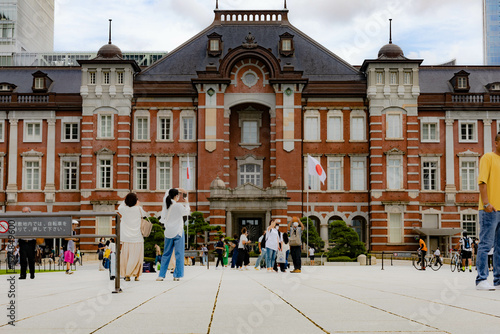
<point>75,222</point>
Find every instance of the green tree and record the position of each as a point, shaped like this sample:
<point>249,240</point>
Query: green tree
<point>197,227</point>
<point>314,238</point>
<point>157,236</point>
<point>346,241</point>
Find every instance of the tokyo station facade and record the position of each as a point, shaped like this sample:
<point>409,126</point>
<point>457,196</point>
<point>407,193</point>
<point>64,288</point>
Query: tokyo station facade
<point>245,101</point>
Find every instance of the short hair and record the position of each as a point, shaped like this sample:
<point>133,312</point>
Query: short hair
<point>131,199</point>
<point>26,209</point>
<point>243,230</point>
<point>497,137</point>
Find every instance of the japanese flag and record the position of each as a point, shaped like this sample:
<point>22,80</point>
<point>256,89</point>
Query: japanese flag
<point>188,177</point>
<point>315,168</point>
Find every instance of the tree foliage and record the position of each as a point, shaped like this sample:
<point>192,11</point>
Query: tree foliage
<point>346,241</point>
<point>197,227</point>
<point>157,236</point>
<point>314,238</point>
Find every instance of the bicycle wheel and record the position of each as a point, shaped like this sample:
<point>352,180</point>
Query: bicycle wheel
<point>453,263</point>
<point>434,264</point>
<point>415,263</point>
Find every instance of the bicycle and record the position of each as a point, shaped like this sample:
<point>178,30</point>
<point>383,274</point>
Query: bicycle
<point>416,263</point>
<point>456,260</point>
<point>434,264</point>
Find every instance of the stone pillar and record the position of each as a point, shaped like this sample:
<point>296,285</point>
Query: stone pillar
<point>487,136</point>
<point>324,233</point>
<point>50,188</point>
<point>229,224</point>
<point>450,188</point>
<point>11,189</point>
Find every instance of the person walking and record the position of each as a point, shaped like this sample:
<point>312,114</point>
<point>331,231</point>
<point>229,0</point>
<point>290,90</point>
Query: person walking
<point>204,254</point>
<point>465,246</point>
<point>437,255</point>
<point>158,254</point>
<point>489,218</point>
<point>219,248</point>
<point>61,256</point>
<point>296,243</point>
<point>27,250</point>
<point>78,257</point>
<point>243,250</point>
<point>283,254</point>
<point>69,254</point>
<point>112,259</point>
<point>262,249</point>
<point>235,244</point>
<point>272,245</point>
<point>311,255</point>
<point>175,207</point>
<point>101,247</point>
<point>132,242</point>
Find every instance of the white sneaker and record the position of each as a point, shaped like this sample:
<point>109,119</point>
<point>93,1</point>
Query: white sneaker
<point>484,285</point>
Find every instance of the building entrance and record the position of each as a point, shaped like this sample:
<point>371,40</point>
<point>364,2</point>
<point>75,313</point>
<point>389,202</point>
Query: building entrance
<point>253,225</point>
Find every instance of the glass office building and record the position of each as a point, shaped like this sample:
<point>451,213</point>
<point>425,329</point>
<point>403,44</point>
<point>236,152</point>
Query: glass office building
<point>491,32</point>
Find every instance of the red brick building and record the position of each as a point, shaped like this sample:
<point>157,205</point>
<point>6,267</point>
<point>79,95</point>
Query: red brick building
<point>243,103</point>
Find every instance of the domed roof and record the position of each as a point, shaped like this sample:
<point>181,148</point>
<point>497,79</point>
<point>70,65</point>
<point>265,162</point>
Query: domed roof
<point>217,183</point>
<point>109,51</point>
<point>390,51</point>
<point>278,183</point>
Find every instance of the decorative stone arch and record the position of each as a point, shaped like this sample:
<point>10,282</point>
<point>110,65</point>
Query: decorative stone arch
<point>240,53</point>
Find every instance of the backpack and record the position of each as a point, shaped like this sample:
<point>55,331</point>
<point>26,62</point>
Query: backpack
<point>466,243</point>
<point>263,242</point>
<point>294,238</point>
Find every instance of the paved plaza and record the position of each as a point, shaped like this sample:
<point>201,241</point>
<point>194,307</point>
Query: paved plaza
<point>327,299</point>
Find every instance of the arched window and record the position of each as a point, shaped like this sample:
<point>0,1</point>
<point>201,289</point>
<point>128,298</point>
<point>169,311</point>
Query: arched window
<point>359,225</point>
<point>250,173</point>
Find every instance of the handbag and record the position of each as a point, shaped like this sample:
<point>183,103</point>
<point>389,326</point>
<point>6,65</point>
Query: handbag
<point>281,257</point>
<point>294,239</point>
<point>146,225</point>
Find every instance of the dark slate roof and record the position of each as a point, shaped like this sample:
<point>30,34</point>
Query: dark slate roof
<point>65,80</point>
<point>317,62</point>
<point>436,79</point>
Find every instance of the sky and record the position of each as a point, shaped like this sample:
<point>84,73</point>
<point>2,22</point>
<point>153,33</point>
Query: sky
<point>435,31</point>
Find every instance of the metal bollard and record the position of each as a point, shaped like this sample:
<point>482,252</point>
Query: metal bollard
<point>382,260</point>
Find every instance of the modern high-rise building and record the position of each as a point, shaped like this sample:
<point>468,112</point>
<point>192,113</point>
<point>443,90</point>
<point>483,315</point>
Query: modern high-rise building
<point>491,32</point>
<point>26,26</point>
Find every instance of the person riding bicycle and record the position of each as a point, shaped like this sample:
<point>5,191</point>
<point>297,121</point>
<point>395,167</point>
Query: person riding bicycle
<point>465,244</point>
<point>437,255</point>
<point>423,251</point>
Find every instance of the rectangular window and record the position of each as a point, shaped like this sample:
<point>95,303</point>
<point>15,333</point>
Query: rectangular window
<point>335,128</point>
<point>250,173</point>
<point>335,174</point>
<point>250,132</point>
<point>394,172</point>
<point>430,221</point>
<point>164,130</point>
<point>33,132</point>
<point>395,228</point>
<point>394,126</point>
<point>429,175</point>
<point>468,132</point>
<point>106,126</point>
<point>462,82</point>
<point>39,83</point>
<point>142,128</point>
<point>71,132</point>
<point>407,77</point>
<point>358,128</point>
<point>164,175</point>
<point>119,77</point>
<point>2,131</point>
<point>188,185</point>
<point>104,181</point>
<point>312,129</point>
<point>187,128</point>
<point>358,174</point>
<point>469,223</point>
<point>32,172</point>
<point>430,132</point>
<point>286,45</point>
<point>468,175</point>
<point>104,226</point>
<point>105,78</point>
<point>91,78</point>
<point>214,45</point>
<point>393,77</point>
<point>379,77</point>
<point>141,175</point>
<point>70,175</point>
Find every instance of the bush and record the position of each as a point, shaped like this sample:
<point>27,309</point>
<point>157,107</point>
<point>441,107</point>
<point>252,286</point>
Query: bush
<point>157,236</point>
<point>340,259</point>
<point>315,240</point>
<point>346,241</point>
<point>149,259</point>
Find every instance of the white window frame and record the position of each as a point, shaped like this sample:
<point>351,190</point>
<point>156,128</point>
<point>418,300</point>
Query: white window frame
<point>470,214</point>
<point>393,77</point>
<point>187,114</point>
<point>313,116</point>
<point>34,138</point>
<point>400,236</point>
<point>474,131</point>
<point>245,134</point>
<point>182,172</point>
<point>431,213</point>
<point>364,161</point>
<point>250,160</point>
<point>99,179</point>
<point>164,114</point>
<point>106,77</point>
<point>438,176</point>
<point>158,173</point>
<point>357,114</point>
<point>335,135</point>
<point>92,77</point>
<point>70,120</point>
<point>214,44</point>
<point>38,159</point>
<point>428,121</point>
<point>120,77</point>
<point>2,131</point>
<point>65,159</point>
<point>141,160</point>
<point>99,121</point>
<point>398,132</point>
<point>104,226</point>
<point>461,82</point>
<point>398,185</point>
<point>408,77</point>
<point>39,83</point>
<point>286,44</point>
<point>139,134</point>
<point>257,175</point>
<point>379,77</point>
<point>330,170</point>
<point>469,159</point>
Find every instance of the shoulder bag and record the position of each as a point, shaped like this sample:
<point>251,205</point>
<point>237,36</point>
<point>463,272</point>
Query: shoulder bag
<point>146,225</point>
<point>294,239</point>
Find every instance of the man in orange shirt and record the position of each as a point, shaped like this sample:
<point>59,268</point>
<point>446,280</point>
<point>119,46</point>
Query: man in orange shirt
<point>423,251</point>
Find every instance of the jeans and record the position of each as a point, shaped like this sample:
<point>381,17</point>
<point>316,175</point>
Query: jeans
<point>173,244</point>
<point>270,257</point>
<point>489,236</point>
<point>234,258</point>
<point>295,250</point>
<point>204,259</point>
<point>112,265</point>
<point>261,256</point>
